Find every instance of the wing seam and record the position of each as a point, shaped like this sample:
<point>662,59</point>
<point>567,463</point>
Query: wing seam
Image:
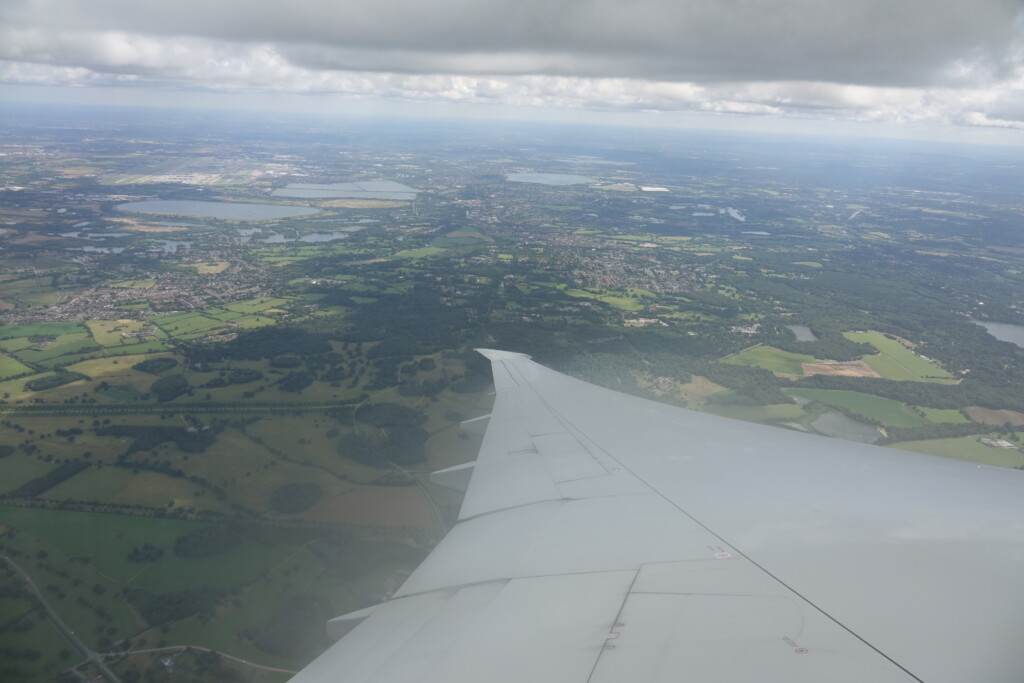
<point>576,431</point>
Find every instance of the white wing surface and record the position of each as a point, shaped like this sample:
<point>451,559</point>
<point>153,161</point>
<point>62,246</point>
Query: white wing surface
<point>608,538</point>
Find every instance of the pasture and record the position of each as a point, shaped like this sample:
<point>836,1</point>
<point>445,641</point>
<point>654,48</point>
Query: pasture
<point>897,362</point>
<point>11,367</point>
<point>881,410</point>
<point>768,357</point>
<point>966,448</point>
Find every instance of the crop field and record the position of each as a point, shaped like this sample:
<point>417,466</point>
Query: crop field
<point>882,410</point>
<point>995,417</point>
<point>895,361</point>
<point>770,358</point>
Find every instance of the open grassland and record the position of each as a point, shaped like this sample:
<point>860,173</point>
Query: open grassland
<point>421,252</point>
<point>63,345</point>
<point>15,344</point>
<point>943,415</point>
<point>117,369</point>
<point>19,468</point>
<point>466,237</point>
<point>300,573</point>
<point>106,540</point>
<point>112,332</point>
<point>631,301</point>
<point>967,448</point>
<point>770,358</point>
<point>257,305</point>
<point>895,361</point>
<point>55,653</point>
<point>188,325</point>
<point>11,367</point>
<point>881,410</point>
<point>768,413</point>
<point>32,293</point>
<point>40,329</point>
<point>209,268</point>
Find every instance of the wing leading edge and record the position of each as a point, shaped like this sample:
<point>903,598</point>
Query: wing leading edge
<point>605,537</point>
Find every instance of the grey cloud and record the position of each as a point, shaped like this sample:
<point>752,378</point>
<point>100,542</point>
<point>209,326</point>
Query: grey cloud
<point>874,42</point>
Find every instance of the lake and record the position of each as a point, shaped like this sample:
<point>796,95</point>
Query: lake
<point>1004,332</point>
<point>834,423</point>
<point>171,246</point>
<point>236,211</point>
<point>802,332</point>
<point>549,178</point>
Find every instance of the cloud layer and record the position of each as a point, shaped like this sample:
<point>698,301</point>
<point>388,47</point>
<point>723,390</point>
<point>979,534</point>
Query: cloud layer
<point>935,61</point>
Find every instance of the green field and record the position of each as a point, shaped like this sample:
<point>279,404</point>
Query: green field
<point>256,305</point>
<point>48,329</point>
<point>769,413</point>
<point>459,238</point>
<point>620,300</point>
<point>15,344</point>
<point>966,448</point>
<point>770,358</point>
<point>417,253</point>
<point>108,332</point>
<point>940,415</point>
<point>882,410</point>
<point>895,361</point>
<point>188,325</point>
<point>10,367</point>
<point>63,345</point>
<point>19,468</point>
<point>139,346</point>
<point>91,484</point>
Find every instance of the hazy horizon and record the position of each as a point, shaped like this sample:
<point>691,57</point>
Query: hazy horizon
<point>922,69</point>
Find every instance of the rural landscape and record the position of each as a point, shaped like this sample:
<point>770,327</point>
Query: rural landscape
<point>232,349</point>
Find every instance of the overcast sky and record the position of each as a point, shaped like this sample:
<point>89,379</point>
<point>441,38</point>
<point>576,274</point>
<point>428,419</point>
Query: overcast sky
<point>897,65</point>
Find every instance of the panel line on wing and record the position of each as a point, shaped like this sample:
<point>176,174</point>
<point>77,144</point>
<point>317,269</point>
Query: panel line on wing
<point>578,434</point>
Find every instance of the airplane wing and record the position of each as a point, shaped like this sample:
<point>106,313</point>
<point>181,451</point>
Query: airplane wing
<point>604,537</point>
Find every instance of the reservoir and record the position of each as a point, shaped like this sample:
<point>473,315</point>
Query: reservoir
<point>549,178</point>
<point>1004,332</point>
<point>802,332</point>
<point>235,211</point>
<point>834,423</point>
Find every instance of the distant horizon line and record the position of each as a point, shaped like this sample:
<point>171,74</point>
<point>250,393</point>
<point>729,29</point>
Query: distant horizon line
<point>852,131</point>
